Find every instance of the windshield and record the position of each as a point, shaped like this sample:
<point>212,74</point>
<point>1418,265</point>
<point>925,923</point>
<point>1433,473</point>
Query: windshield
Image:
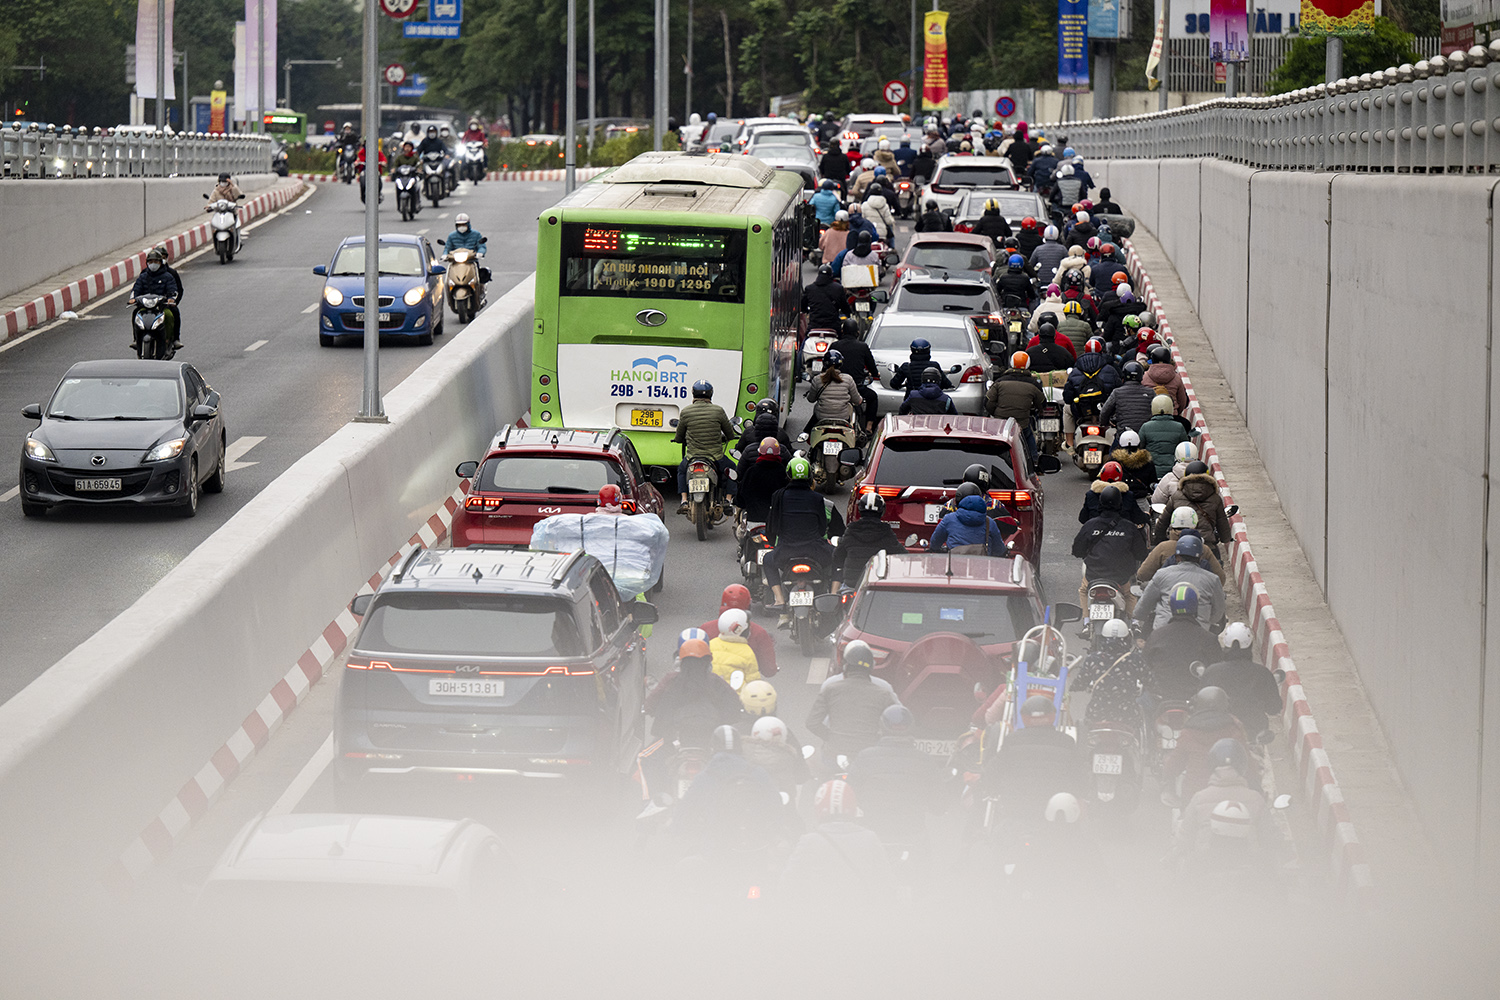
<point>547,474</point>
<point>1012,206</point>
<point>781,139</point>
<point>948,257</point>
<point>723,131</point>
<point>117,399</point>
<point>401,259</point>
<point>437,624</point>
<point>890,337</point>
<point>972,176</point>
<point>940,297</point>
<point>908,615</point>
<point>659,262</point>
<point>941,462</point>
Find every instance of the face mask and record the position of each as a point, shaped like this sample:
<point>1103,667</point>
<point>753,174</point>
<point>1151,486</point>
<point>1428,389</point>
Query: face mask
<point>463,228</point>
<point>153,268</point>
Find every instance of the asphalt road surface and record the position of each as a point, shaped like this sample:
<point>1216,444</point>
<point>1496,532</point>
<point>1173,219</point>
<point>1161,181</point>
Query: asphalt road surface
<point>251,328</point>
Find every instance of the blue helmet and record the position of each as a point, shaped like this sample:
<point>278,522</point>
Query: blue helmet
<point>712,117</point>
<point>1184,601</point>
<point>1069,153</point>
<point>920,346</point>
<point>1190,547</point>
<point>880,171</point>
<point>1016,261</point>
<point>702,389</point>
<point>691,633</point>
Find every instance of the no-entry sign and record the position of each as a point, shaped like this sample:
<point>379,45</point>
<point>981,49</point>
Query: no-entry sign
<point>398,8</point>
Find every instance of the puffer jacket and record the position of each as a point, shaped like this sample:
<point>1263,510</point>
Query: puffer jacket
<point>1044,260</point>
<point>1167,375</point>
<point>1161,435</point>
<point>1190,758</point>
<point>886,158</point>
<point>1158,556</point>
<point>1091,381</point>
<point>1110,547</point>
<point>1200,491</point>
<point>878,211</point>
<point>1129,505</point>
<point>861,181</point>
<point>1167,485</point>
<point>1049,356</point>
<point>1052,306</point>
<point>1015,394</point>
<point>702,429</point>
<point>832,241</point>
<point>731,653</point>
<point>1103,276</point>
<point>1154,602</point>
<point>1072,263</point>
<point>993,225</point>
<point>969,525</point>
<point>1075,328</point>
<point>1112,313</point>
<point>826,204</point>
<point>846,712</point>
<point>928,399</point>
<point>835,399</point>
<point>1128,407</point>
<point>1195,838</point>
<point>1029,240</point>
<point>1139,469</point>
<point>861,540</point>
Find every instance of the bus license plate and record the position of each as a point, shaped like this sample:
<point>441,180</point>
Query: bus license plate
<point>360,317</point>
<point>1108,763</point>
<point>1101,612</point>
<point>697,485</point>
<point>645,418</point>
<point>832,447</point>
<point>933,514</point>
<point>801,599</point>
<point>96,485</point>
<point>1049,424</point>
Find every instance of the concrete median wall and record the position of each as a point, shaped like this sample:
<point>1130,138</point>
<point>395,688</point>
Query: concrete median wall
<point>51,226</point>
<point>92,748</point>
<point>1311,289</point>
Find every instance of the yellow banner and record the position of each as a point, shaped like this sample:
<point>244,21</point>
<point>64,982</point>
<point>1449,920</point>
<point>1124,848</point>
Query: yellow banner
<point>218,103</point>
<point>935,63</point>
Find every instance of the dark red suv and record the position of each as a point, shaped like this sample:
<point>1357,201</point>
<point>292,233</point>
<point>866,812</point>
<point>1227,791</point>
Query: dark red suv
<point>917,462</point>
<point>529,473</point>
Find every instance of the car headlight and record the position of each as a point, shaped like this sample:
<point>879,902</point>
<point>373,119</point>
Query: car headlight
<point>332,296</point>
<point>35,449</point>
<point>414,296</point>
<point>166,450</point>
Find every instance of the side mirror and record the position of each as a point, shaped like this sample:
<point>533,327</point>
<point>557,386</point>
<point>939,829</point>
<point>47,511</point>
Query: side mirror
<point>851,457</point>
<point>205,197</point>
<point>442,243</point>
<point>482,239</point>
<point>32,411</point>
<point>205,412</point>
<point>827,604</point>
<point>808,751</point>
<point>661,477</point>
<point>1231,510</point>
<point>436,270</point>
<point>1282,801</point>
<point>321,269</point>
<point>1280,676</point>
<point>1064,613</point>
<point>1048,464</point>
<point>1198,668</point>
<point>360,606</point>
<point>889,258</point>
<point>737,679</point>
<point>880,295</point>
<point>466,470</point>
<point>642,613</point>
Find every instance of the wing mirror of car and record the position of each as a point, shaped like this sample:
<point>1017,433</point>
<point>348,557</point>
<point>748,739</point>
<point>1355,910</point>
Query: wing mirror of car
<point>880,294</point>
<point>361,604</point>
<point>661,477</point>
<point>808,751</point>
<point>321,269</point>
<point>1231,510</point>
<point>1062,613</point>
<point>1048,464</point>
<point>32,411</point>
<point>889,259</point>
<point>1198,668</point>
<point>642,613</point>
<point>827,604</point>
<point>436,270</point>
<point>851,457</point>
<point>466,470</point>
<point>202,412</point>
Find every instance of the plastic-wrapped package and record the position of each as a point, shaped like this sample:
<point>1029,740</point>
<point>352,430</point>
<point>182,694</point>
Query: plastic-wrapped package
<point>859,276</point>
<point>632,547</point>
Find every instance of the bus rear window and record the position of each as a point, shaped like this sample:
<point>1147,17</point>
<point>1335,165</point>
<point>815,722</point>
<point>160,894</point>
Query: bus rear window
<point>655,262</point>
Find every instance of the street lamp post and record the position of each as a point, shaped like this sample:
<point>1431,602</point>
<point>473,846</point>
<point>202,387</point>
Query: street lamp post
<point>570,159</point>
<point>371,409</point>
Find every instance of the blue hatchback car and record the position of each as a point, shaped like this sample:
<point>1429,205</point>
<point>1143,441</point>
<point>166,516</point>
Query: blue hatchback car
<point>411,290</point>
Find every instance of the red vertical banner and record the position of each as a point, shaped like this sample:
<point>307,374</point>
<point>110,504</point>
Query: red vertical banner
<point>935,63</point>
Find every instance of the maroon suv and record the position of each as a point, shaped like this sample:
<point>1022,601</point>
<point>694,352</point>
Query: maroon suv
<point>529,473</point>
<point>917,462</point>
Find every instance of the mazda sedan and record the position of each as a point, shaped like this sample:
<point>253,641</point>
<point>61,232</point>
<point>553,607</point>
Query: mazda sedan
<point>119,433</point>
<point>411,291</point>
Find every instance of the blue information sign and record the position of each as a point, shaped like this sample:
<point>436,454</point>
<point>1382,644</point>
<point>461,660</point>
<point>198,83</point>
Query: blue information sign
<point>1072,43</point>
<point>443,20</point>
<point>415,87</point>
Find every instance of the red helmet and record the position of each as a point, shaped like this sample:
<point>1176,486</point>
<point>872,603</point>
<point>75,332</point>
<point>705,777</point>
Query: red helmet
<point>1108,249</point>
<point>834,799</point>
<point>1028,223</point>
<point>736,595</point>
<point>1094,346</point>
<point>1088,204</point>
<point>1146,336</point>
<point>1120,278</point>
<point>1111,473</point>
<point>610,496</point>
<point>1077,207</point>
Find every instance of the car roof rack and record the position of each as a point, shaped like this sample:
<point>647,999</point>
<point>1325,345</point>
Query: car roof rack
<point>405,565</point>
<point>1017,566</point>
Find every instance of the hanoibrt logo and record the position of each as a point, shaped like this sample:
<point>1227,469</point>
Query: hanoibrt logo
<point>664,369</point>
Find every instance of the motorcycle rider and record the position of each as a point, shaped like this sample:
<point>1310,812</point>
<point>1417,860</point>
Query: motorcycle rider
<point>864,537</point>
<point>905,156</point>
<point>1163,373</point>
<point>346,143</point>
<point>1017,394</point>
<point>380,164</point>
<point>859,363</point>
<point>406,157</point>
<point>885,158</point>
<point>929,397</point>
<point>1129,405</point>
<point>1089,384</point>
<point>933,221</point>
<point>834,166</point>
<point>1106,274</point>
<point>1174,647</point>
<point>1074,327</point>
<point>992,223</point>
<point>1200,491</point>
<point>1047,256</point>
<point>759,479</point>
<point>770,747</point>
<point>1066,188</point>
<point>898,784</point>
<point>1106,204</point>
<point>767,424</point>
<point>862,179</point>
<point>1186,565</point>
<point>970,529</point>
<point>877,208</point>
<point>846,713</point>
<point>1043,166</point>
<point>1254,693</point>
<point>1227,824</point>
<point>1048,355</point>
<point>839,862</point>
<point>475,133</point>
<point>225,189</point>
<point>1035,762</point>
<point>1113,673</point>
<point>834,395</point>
<point>1029,238</point>
<point>732,808</point>
<point>1112,475</point>
<point>1184,522</point>
<point>799,528</point>
<point>1162,434</point>
<point>166,264</point>
<point>1111,548</point>
<point>431,143</point>
<point>825,203</point>
<point>736,597</point>
<point>1167,485</point>
<point>825,301</point>
<point>908,375</point>
<point>1013,286</point>
<point>731,647</point>
<point>862,251</point>
<point>159,279</point>
<point>466,237</point>
<point>1189,766</point>
<point>833,239</point>
<point>685,707</point>
<point>702,430</point>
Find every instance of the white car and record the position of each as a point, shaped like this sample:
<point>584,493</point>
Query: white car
<point>953,174</point>
<point>955,344</point>
<point>766,140</point>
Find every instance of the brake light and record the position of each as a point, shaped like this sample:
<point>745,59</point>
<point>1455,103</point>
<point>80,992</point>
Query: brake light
<point>1019,499</point>
<point>941,189</point>
<point>1091,432</point>
<point>482,503</point>
<point>801,568</point>
<point>888,492</point>
<point>963,227</point>
<point>820,346</point>
<point>974,374</point>
<point>904,186</point>
<point>367,665</point>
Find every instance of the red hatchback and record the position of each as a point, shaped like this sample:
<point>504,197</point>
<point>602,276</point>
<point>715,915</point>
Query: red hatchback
<point>917,462</point>
<point>529,473</point>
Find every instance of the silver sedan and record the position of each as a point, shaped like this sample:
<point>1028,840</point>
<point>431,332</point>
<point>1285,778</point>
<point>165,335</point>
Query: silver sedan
<point>956,350</point>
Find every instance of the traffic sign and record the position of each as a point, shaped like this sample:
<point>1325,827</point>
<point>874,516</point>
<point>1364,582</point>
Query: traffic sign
<point>398,8</point>
<point>1005,107</point>
<point>895,93</point>
<point>395,74</point>
<point>415,87</point>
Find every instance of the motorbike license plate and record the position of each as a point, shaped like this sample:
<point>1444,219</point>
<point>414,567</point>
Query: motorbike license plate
<point>1101,612</point>
<point>863,307</point>
<point>938,748</point>
<point>360,317</point>
<point>1049,424</point>
<point>801,599</point>
<point>933,513</point>
<point>832,447</point>
<point>1108,763</point>
<point>478,688</point>
<point>1092,457</point>
<point>96,485</point>
<point>646,418</point>
<point>760,556</point>
<point>697,485</point>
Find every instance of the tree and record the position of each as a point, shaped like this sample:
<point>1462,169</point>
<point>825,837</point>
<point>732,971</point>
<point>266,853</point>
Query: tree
<point>1387,46</point>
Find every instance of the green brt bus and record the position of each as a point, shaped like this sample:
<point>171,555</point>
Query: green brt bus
<point>672,268</point>
<point>288,126</point>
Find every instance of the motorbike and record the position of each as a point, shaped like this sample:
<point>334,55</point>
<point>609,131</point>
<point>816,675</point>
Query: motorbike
<point>1092,442</point>
<point>225,223</point>
<point>906,198</point>
<point>705,495</point>
<point>465,284</point>
<point>1166,729</point>
<point>1106,602</point>
<point>278,160</point>
<point>754,548</point>
<point>474,161</point>
<point>434,179</point>
<point>1049,425</point>
<point>835,454</point>
<point>346,165</point>
<point>408,197</point>
<point>814,347</point>
<point>363,185</point>
<point>1115,752</point>
<point>805,582</point>
<point>149,321</point>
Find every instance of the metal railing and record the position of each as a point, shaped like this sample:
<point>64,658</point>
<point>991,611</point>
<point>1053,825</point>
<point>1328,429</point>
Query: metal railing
<point>1440,116</point>
<point>32,151</point>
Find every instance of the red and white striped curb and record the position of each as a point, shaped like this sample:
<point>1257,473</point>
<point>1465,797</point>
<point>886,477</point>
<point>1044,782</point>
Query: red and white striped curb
<point>52,305</point>
<point>202,789</point>
<point>1351,872</point>
<point>584,173</point>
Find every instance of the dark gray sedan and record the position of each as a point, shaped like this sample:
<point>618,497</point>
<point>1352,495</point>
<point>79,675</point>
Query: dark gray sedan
<point>145,433</point>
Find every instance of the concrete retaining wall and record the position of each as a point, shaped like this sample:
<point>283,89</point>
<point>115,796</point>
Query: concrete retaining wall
<point>93,747</point>
<point>1311,288</point>
<point>105,215</point>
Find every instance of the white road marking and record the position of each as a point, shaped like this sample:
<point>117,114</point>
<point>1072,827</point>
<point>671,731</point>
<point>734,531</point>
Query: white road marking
<point>422,232</point>
<point>817,670</point>
<point>256,346</point>
<point>312,308</point>
<point>236,451</point>
<point>444,215</point>
<point>9,494</point>
<point>305,779</point>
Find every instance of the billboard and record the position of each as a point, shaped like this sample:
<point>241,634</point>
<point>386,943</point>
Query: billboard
<point>1109,19</point>
<point>145,50</point>
<point>1228,31</point>
<point>1073,44</point>
<point>935,62</point>
<point>1193,18</point>
<point>1338,17</point>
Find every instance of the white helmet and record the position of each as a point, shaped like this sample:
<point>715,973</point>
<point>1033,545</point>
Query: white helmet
<point>768,729</point>
<point>1230,819</point>
<point>1186,452</point>
<point>841,216</point>
<point>1065,171</point>
<point>1063,808</point>
<point>1129,439</point>
<point>462,219</point>
<point>1050,233</point>
<point>867,164</point>
<point>1046,150</point>
<point>1184,517</point>
<point>1236,636</point>
<point>1081,217</point>
<point>734,622</point>
<point>693,119</point>
<point>1116,628</point>
<point>883,144</point>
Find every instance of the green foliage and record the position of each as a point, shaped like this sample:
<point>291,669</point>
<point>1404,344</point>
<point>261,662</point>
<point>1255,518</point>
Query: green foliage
<point>1387,46</point>
<point>310,161</point>
<point>620,149</point>
<point>82,43</point>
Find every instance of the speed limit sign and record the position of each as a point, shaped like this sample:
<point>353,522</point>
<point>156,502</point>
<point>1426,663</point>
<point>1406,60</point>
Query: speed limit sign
<point>895,93</point>
<point>398,8</point>
<point>395,74</point>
